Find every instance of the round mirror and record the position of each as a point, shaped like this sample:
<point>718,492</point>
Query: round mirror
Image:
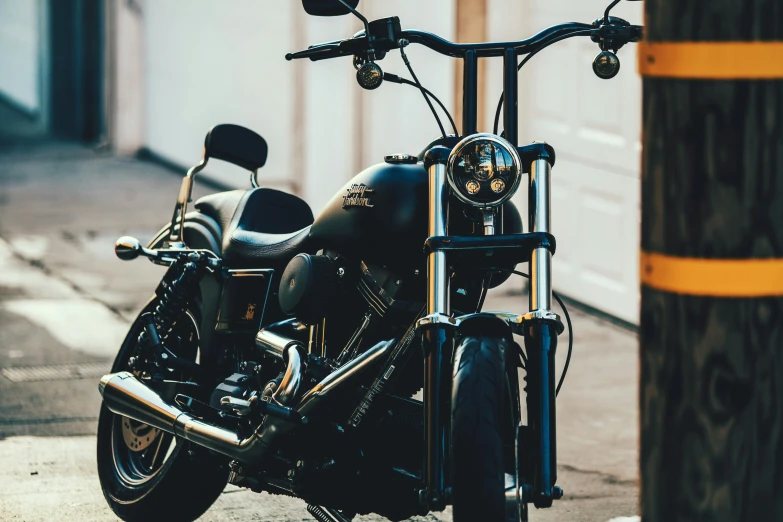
<point>127,248</point>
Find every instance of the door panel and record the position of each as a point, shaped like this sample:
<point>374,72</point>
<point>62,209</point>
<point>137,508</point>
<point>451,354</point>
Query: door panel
<point>595,127</point>
<point>596,222</point>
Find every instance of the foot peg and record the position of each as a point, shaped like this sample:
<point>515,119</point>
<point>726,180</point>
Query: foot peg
<point>199,409</point>
<point>264,405</point>
<point>240,407</point>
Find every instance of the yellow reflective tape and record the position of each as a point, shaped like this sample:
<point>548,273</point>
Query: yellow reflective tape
<point>712,277</point>
<point>711,60</point>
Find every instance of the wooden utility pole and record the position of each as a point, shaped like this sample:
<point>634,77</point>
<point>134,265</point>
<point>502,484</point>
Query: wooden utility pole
<point>711,394</point>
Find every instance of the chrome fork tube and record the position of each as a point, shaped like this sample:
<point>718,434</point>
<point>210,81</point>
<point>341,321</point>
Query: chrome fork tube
<point>436,341</point>
<point>541,345</point>
<point>437,268</point>
<point>540,221</point>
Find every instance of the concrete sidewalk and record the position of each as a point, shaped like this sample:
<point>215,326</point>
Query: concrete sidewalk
<point>66,300</point>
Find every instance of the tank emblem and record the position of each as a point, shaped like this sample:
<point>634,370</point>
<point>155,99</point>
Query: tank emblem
<point>251,312</point>
<point>358,196</point>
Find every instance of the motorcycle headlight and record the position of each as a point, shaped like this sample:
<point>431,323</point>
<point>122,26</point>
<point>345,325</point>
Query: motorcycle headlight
<point>484,170</point>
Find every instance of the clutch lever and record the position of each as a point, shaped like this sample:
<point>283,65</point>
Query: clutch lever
<point>316,52</point>
<point>336,49</point>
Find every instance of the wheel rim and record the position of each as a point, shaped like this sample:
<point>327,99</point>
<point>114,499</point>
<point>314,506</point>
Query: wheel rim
<point>138,463</point>
<point>140,451</point>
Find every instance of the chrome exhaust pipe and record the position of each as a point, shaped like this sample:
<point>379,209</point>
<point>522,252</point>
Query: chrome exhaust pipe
<point>126,395</point>
<point>274,343</point>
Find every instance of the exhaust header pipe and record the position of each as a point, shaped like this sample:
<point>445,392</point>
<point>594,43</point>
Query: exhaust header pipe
<point>126,395</point>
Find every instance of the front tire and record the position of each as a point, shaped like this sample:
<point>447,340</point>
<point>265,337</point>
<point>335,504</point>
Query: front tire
<point>477,420</point>
<point>146,474</point>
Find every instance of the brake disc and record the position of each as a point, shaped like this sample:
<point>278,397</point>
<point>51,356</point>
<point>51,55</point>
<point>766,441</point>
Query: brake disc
<point>138,436</point>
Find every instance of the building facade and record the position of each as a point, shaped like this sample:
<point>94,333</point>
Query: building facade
<point>156,75</point>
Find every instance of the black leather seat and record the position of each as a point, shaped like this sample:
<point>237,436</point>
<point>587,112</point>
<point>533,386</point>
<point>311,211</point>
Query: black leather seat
<point>261,228</point>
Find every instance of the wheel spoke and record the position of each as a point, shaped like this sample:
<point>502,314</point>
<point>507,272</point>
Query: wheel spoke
<point>161,436</point>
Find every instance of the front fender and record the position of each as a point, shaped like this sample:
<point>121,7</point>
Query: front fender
<point>484,325</point>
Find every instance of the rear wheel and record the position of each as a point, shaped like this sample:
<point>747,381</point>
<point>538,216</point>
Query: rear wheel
<point>145,473</point>
<point>478,416</point>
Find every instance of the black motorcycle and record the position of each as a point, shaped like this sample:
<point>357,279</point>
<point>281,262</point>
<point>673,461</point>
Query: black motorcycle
<point>283,353</point>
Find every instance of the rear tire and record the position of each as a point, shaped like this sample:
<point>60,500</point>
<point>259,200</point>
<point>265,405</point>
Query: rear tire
<point>181,489</point>
<point>477,420</point>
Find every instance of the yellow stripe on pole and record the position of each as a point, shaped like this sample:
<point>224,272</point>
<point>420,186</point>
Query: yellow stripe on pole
<point>713,277</point>
<point>711,60</point>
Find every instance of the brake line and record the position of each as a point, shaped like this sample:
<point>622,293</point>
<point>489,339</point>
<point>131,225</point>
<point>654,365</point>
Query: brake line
<point>568,322</point>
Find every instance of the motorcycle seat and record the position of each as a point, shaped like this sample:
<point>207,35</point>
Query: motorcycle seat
<point>260,227</point>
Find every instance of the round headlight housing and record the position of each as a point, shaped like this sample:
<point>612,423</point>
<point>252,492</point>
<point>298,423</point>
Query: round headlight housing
<point>484,170</point>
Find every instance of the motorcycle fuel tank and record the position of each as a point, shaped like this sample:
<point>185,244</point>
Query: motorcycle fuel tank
<point>380,216</point>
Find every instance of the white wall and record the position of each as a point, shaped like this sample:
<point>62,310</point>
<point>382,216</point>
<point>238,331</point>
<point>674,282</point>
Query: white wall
<point>19,53</point>
<point>127,75</point>
<point>214,62</point>
<point>207,63</point>
<point>395,118</point>
<point>327,110</point>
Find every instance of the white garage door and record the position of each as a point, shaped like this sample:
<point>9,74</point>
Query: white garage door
<point>19,49</point>
<point>595,127</point>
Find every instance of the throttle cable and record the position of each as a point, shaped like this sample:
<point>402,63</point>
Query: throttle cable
<point>403,43</point>
<point>404,81</point>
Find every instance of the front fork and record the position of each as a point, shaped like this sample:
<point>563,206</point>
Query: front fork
<point>437,341</point>
<point>540,341</point>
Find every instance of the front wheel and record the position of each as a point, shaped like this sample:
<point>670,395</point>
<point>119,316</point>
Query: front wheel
<point>478,405</point>
<point>145,473</point>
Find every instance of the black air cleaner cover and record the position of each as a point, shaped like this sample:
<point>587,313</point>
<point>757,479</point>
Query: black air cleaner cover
<point>308,284</point>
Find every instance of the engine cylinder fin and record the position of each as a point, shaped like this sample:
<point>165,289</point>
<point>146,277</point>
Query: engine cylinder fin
<point>375,302</point>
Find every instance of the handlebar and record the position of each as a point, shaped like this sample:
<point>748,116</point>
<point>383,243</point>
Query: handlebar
<point>618,30</point>
<point>488,49</point>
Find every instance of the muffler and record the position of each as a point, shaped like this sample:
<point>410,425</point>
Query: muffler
<point>126,395</point>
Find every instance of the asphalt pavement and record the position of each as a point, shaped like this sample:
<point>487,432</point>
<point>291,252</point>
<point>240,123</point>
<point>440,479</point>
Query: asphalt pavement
<point>66,302</point>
